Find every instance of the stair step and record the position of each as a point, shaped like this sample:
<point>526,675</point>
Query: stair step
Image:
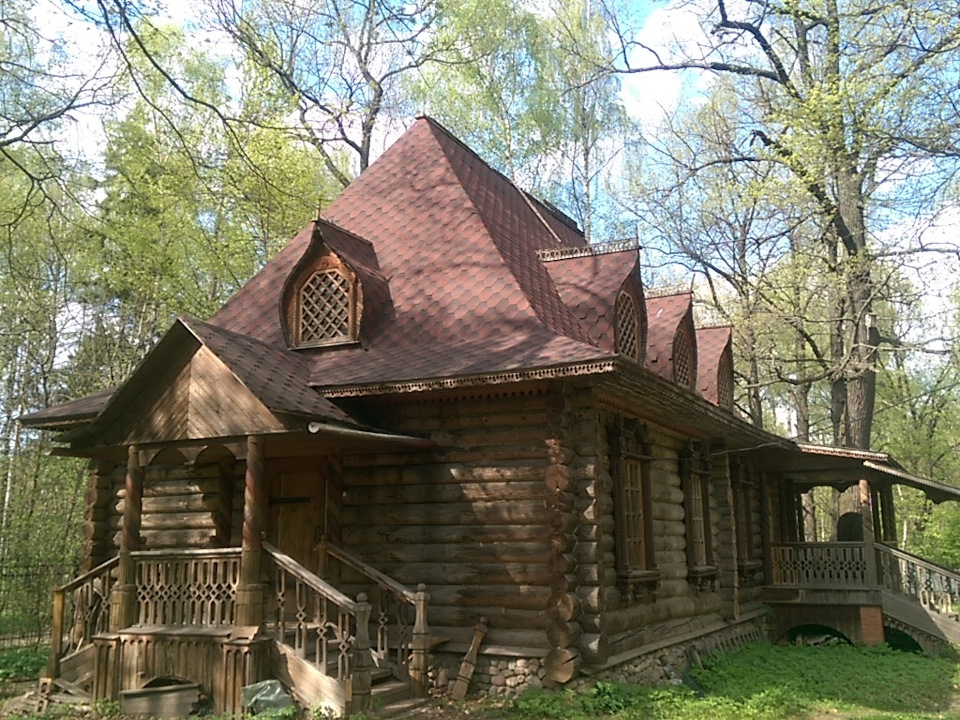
<point>401,707</point>
<point>390,691</point>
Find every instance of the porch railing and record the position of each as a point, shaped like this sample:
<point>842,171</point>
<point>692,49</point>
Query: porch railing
<point>399,615</point>
<point>935,587</point>
<point>187,587</point>
<point>81,609</point>
<point>311,616</point>
<point>827,566</point>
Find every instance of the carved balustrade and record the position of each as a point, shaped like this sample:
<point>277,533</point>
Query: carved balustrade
<point>826,566</point>
<point>195,588</point>
<point>935,587</point>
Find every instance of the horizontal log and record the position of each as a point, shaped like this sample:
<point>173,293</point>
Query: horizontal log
<point>164,539</point>
<point>179,504</point>
<point>668,527</point>
<point>480,513</point>
<point>467,573</point>
<point>476,599</point>
<point>667,512</point>
<point>522,552</point>
<point>591,532</point>
<point>597,599</point>
<point>562,542</point>
<point>161,473</point>
<point>500,617</point>
<point>563,605</point>
<point>562,664</point>
<point>493,453</point>
<point>562,633</point>
<point>669,543</point>
<point>370,460</point>
<point>445,493</point>
<point>594,647</point>
<point>481,436</point>
<point>186,521</point>
<point>592,574</point>
<point>497,640</point>
<point>361,535</point>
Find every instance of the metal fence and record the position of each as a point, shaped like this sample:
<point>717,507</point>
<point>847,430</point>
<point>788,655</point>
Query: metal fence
<point>26,601</point>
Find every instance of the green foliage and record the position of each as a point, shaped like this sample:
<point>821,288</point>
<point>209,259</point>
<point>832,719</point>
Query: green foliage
<point>761,682</point>
<point>22,663</point>
<point>107,709</point>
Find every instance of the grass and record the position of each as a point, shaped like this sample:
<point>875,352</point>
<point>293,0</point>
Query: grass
<point>757,682</point>
<point>760,682</point>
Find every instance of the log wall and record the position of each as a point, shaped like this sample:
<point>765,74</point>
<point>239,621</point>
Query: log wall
<point>475,520</point>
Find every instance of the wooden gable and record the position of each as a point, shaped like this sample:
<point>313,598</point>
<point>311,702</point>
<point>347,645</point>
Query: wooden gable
<point>204,400</point>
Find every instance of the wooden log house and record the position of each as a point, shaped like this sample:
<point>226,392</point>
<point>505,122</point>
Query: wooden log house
<point>438,405</point>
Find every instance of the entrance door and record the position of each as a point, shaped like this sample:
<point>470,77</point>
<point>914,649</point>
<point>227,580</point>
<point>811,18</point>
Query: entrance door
<point>297,509</point>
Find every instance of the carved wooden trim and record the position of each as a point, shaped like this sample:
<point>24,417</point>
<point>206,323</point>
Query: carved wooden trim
<point>695,474</point>
<point>630,459</point>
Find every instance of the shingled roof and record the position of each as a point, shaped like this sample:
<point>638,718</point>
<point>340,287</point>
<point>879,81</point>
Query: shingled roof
<point>464,277</point>
<point>457,244</point>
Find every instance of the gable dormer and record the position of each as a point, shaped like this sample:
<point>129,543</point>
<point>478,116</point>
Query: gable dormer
<point>715,350</point>
<point>322,300</point>
<point>601,286</point>
<point>671,339</point>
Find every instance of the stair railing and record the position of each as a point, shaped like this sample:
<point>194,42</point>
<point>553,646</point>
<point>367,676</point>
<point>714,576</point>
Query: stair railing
<point>935,587</point>
<point>402,634</point>
<point>81,609</point>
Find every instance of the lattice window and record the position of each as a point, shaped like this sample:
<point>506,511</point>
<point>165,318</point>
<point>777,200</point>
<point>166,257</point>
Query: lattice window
<point>695,471</point>
<point>326,309</point>
<point>630,456</point>
<point>628,327</point>
<point>683,363</point>
<point>725,382</point>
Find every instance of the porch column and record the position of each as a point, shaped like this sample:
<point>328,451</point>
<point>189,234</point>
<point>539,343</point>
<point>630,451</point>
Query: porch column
<point>123,605</point>
<point>869,553</point>
<point>888,515</point>
<point>250,590</point>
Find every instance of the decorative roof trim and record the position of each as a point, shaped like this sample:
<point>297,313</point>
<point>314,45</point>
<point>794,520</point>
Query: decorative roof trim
<point>668,291</point>
<point>501,378</point>
<point>568,252</point>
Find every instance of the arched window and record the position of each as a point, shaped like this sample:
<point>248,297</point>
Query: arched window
<point>628,327</point>
<point>326,308</point>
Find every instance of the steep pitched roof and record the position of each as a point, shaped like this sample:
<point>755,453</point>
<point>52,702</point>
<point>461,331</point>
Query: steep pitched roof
<point>463,291</point>
<point>714,365</point>
<point>667,316</point>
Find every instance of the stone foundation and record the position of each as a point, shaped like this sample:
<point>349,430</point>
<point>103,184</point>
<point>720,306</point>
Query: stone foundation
<point>500,676</point>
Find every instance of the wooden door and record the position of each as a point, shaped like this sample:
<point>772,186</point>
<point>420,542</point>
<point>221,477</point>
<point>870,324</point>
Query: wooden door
<point>297,510</point>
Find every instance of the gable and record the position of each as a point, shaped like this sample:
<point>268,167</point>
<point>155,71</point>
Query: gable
<point>204,400</point>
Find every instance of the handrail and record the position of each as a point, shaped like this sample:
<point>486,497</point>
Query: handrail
<point>310,579</point>
<point>917,560</point>
<point>81,579</point>
<point>384,581</point>
<point>187,553</point>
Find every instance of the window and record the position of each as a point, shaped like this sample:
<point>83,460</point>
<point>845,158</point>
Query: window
<point>630,459</point>
<point>684,364</point>
<point>628,327</point>
<point>744,502</point>
<point>695,472</point>
<point>326,308</point>
<point>725,380</point>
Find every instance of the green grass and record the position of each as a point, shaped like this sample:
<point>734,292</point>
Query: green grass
<point>761,682</point>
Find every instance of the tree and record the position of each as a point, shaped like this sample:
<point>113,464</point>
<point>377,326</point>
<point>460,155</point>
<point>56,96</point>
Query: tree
<point>339,62</point>
<point>837,94</point>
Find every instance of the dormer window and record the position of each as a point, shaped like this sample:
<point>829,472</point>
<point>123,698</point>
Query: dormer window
<point>684,364</point>
<point>324,304</point>
<point>628,327</point>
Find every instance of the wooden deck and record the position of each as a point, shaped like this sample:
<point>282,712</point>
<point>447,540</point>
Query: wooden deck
<point>912,593</point>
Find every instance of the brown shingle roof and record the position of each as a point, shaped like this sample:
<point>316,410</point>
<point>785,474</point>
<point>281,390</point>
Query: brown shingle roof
<point>665,314</point>
<point>713,343</point>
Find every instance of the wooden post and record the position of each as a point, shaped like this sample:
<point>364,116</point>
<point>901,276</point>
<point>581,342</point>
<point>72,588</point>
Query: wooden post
<point>469,663</point>
<point>360,680</point>
<point>123,605</point>
<point>56,635</point>
<point>249,589</point>
<point>766,531</point>
<point>869,551</point>
<point>421,645</point>
<point>889,515</point>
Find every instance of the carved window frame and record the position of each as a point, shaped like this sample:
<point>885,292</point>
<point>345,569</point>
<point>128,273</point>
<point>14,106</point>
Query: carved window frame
<point>684,359</point>
<point>631,457</point>
<point>328,286</point>
<point>696,475</point>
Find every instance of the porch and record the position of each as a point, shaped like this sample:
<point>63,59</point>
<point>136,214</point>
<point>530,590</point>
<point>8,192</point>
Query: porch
<point>861,590</point>
<point>330,650</point>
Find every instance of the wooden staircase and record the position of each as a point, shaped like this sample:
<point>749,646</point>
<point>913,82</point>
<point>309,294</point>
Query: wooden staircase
<point>327,649</point>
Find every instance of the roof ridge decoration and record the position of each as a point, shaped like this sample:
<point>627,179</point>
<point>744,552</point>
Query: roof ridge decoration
<point>607,248</point>
<point>669,291</point>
